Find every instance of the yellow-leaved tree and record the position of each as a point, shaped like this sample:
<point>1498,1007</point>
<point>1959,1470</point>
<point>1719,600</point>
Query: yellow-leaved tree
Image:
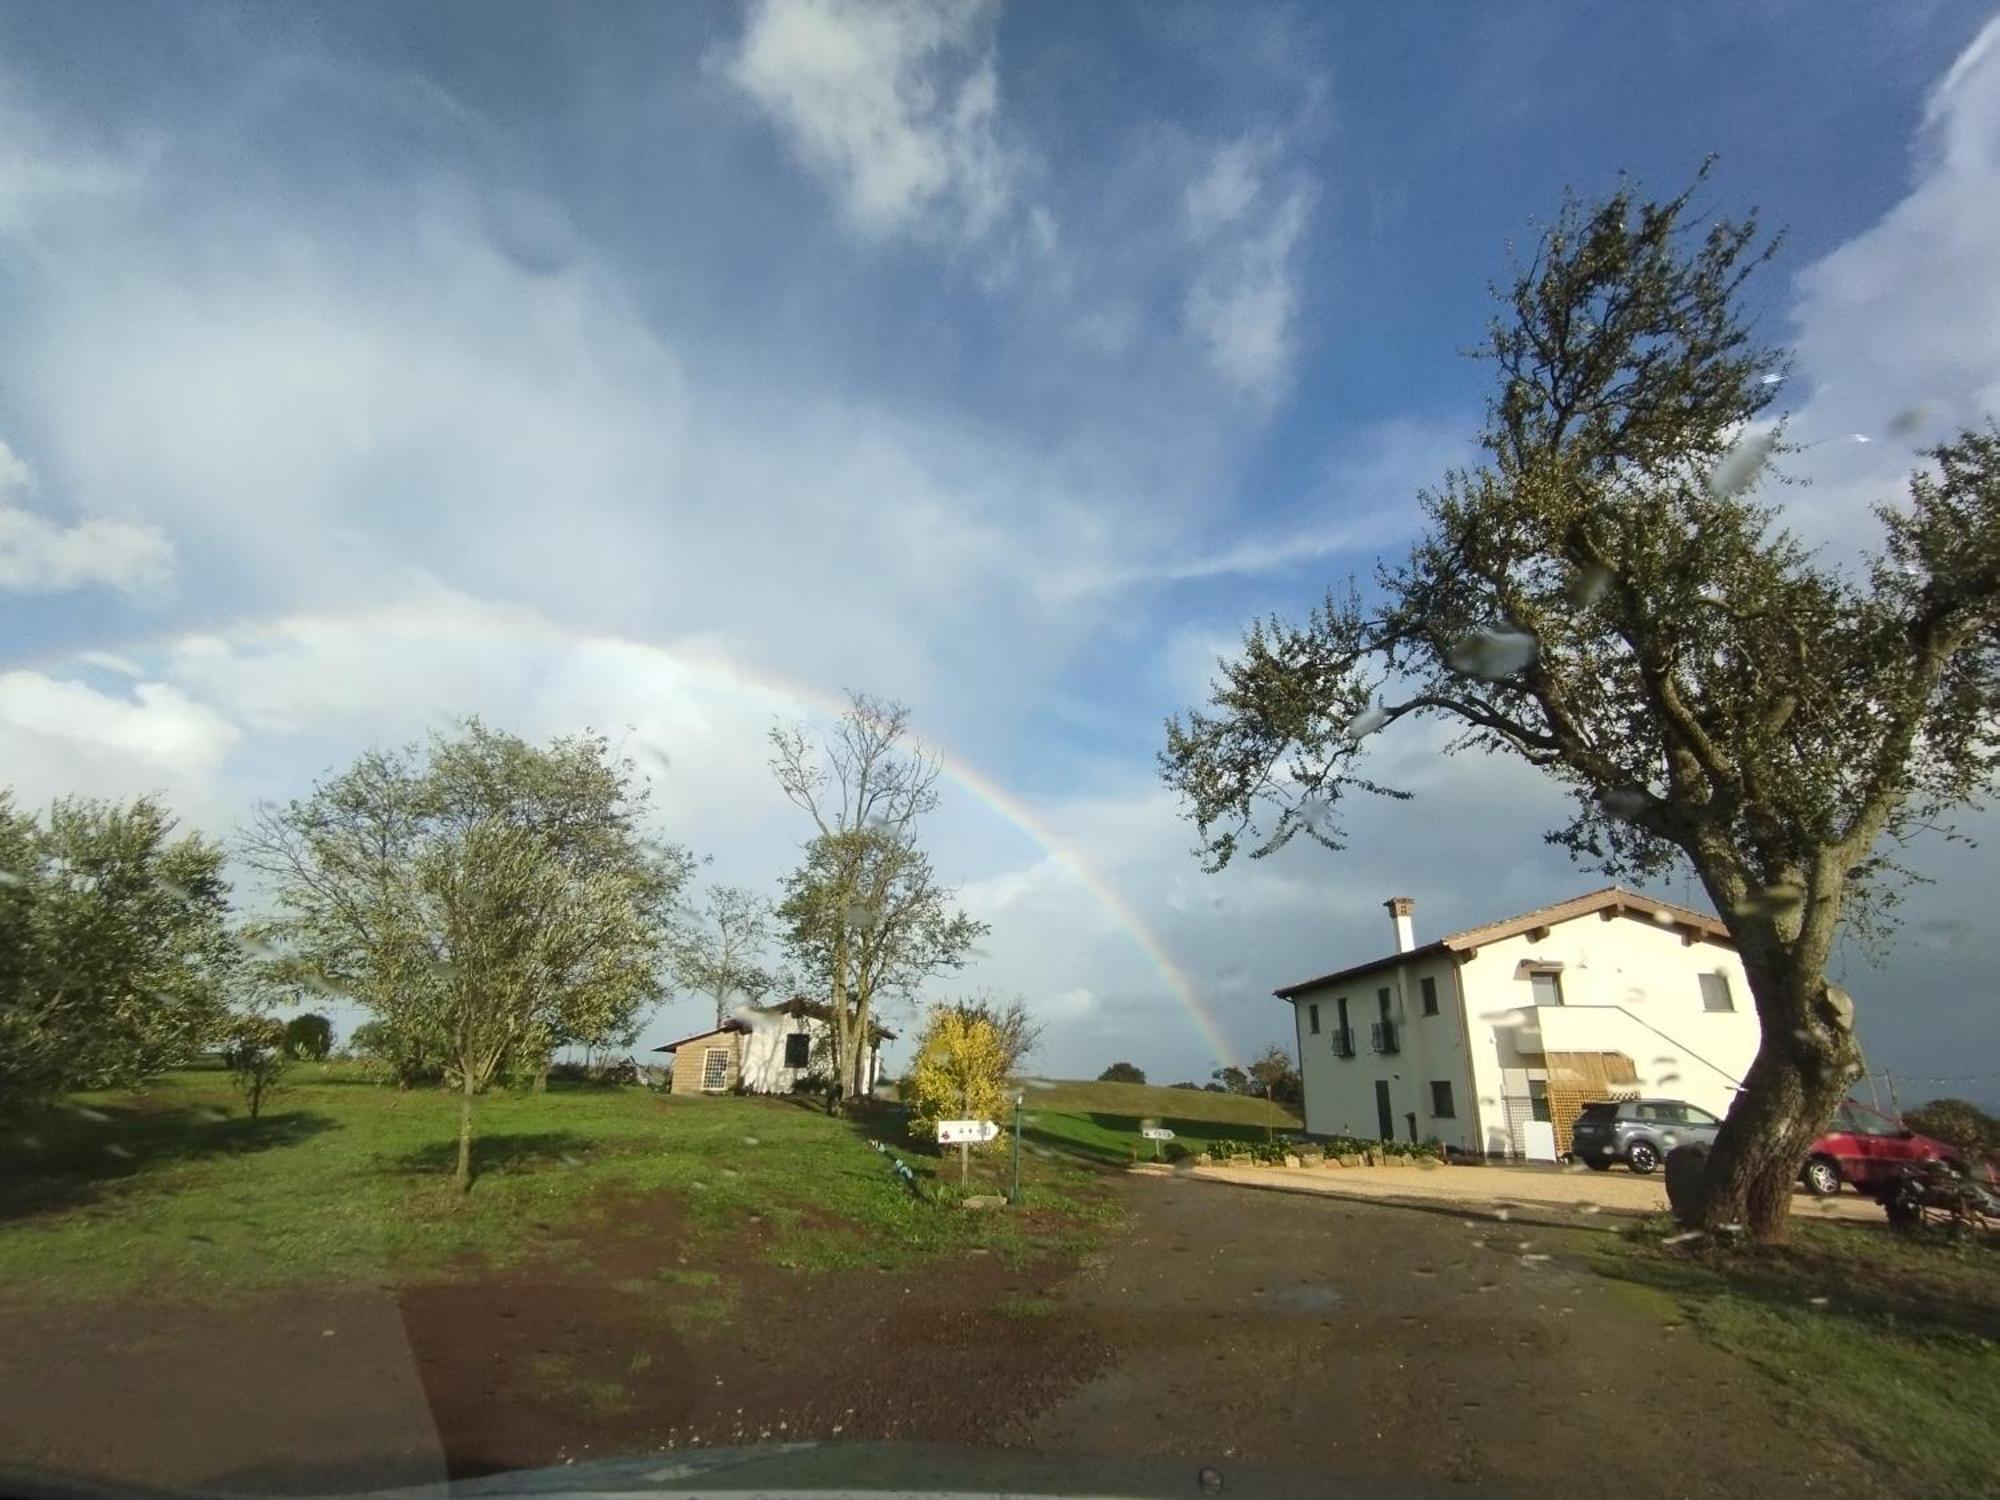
<point>960,1070</point>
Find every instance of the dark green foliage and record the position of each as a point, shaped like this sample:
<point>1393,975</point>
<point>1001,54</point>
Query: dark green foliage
<point>115,955</point>
<point>1957,1121</point>
<point>257,1050</point>
<point>1121,1072</point>
<point>309,1037</point>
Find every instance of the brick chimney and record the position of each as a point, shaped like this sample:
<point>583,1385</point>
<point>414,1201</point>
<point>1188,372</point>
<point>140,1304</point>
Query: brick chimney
<point>1400,909</point>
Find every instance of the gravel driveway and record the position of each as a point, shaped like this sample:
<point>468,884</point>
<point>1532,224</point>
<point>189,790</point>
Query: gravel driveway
<point>1574,1195</point>
<point>1369,1345</point>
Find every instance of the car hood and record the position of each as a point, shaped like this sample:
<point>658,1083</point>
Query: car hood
<point>835,1471</point>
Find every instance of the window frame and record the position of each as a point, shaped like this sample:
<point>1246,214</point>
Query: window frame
<point>804,1043</point>
<point>1721,979</point>
<point>1450,1110</point>
<point>1538,1104</point>
<point>1552,979</point>
<point>1427,994</point>
<point>1312,1017</point>
<point>708,1057</point>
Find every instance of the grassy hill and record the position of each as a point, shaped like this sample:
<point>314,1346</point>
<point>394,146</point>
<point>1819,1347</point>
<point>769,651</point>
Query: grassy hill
<point>1102,1120</point>
<point>1138,1100</point>
<point>343,1179</point>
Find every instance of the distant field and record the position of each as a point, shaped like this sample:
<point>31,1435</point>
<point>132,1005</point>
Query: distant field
<point>1146,1099</point>
<point>1101,1121</point>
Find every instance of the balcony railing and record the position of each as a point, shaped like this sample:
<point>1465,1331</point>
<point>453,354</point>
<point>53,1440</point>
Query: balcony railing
<point>1343,1042</point>
<point>1383,1036</point>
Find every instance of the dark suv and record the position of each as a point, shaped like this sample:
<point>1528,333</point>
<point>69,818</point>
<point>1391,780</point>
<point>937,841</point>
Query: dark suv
<point>1638,1132</point>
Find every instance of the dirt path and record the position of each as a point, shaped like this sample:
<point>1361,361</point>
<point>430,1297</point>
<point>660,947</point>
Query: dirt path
<point>1313,1338</point>
<point>1364,1341</point>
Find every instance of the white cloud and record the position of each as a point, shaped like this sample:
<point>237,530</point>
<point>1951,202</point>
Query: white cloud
<point>1246,219</point>
<point>62,737</point>
<point>1905,317</point>
<point>1234,178</point>
<point>40,556</point>
<point>898,104</point>
<point>110,661</point>
<point>1363,499</point>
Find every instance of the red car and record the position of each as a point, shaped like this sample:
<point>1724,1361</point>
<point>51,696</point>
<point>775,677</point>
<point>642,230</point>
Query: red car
<point>1869,1151</point>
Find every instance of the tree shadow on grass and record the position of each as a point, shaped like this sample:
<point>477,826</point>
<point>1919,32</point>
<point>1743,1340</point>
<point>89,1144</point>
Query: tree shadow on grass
<point>57,1159</point>
<point>502,1151</point>
<point>1918,1285</point>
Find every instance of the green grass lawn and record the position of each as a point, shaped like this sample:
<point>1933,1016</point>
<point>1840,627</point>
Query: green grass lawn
<point>1101,1121</point>
<point>345,1179</point>
<point>1887,1341</point>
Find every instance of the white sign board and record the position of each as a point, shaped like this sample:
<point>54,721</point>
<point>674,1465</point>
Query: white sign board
<point>966,1132</point>
<point>1157,1133</point>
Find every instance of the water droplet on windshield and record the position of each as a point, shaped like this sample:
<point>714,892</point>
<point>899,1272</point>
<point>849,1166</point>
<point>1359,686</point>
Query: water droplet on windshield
<point>1739,467</point>
<point>1909,421</point>
<point>1588,584</point>
<point>1493,653</point>
<point>1624,802</point>
<point>1367,721</point>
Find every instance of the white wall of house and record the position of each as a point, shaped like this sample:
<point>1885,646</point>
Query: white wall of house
<point>767,1045</point>
<point>1627,985</point>
<point>1340,1093</point>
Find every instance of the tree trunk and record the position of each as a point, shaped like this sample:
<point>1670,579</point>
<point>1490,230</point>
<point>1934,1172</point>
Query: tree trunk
<point>463,1179</point>
<point>857,1058</point>
<point>1805,1062</point>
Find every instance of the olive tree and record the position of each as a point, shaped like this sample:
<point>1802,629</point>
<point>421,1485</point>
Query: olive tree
<point>257,1052</point>
<point>484,899</point>
<point>115,954</point>
<point>1602,596</point>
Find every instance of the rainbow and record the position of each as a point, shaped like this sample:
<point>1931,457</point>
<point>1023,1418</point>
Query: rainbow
<point>705,666</point>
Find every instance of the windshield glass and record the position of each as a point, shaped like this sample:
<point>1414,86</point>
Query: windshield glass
<point>925,745</point>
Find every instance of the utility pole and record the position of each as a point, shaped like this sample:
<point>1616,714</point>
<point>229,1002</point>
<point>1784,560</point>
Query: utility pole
<point>1015,1197</point>
<point>965,1147</point>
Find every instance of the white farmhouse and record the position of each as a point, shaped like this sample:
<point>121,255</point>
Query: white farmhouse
<point>1490,1040</point>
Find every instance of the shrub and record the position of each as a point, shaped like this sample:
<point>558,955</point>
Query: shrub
<point>1122,1072</point>
<point>959,1071</point>
<point>257,1055</point>
<point>309,1037</point>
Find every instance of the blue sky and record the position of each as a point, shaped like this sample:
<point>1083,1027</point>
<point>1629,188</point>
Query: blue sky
<point>672,368</point>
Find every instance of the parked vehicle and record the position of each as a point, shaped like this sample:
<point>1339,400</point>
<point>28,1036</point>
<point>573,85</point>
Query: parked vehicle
<point>1638,1132</point>
<point>1869,1151</point>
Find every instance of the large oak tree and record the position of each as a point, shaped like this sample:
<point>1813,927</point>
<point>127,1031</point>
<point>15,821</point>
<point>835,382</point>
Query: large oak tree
<point>1601,596</point>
